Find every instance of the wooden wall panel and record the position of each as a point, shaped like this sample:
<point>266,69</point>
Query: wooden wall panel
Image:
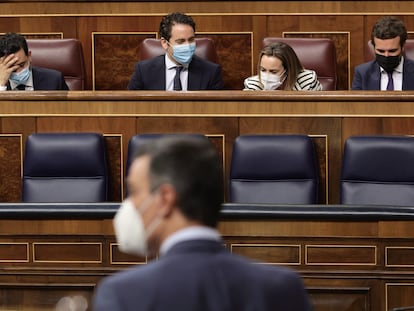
<point>20,125</point>
<point>338,259</point>
<point>114,156</point>
<point>399,294</point>
<point>114,56</point>
<point>332,298</point>
<point>245,7</point>
<point>235,57</point>
<point>10,167</point>
<point>88,25</point>
<point>377,126</point>
<point>41,24</point>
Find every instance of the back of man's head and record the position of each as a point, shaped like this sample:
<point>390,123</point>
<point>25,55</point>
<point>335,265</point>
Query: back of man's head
<point>192,166</point>
<point>389,27</point>
<point>11,43</point>
<point>170,20</point>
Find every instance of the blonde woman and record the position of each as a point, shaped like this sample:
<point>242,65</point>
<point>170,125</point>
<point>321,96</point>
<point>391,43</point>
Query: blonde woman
<point>280,69</point>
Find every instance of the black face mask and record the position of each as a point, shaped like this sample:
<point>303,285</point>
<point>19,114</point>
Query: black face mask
<point>388,62</point>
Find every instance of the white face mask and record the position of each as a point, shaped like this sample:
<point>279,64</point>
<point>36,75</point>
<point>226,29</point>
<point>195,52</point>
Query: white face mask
<point>130,231</point>
<point>271,81</point>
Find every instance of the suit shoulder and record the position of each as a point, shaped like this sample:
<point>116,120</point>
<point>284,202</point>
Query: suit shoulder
<point>151,61</point>
<point>260,271</point>
<point>408,63</point>
<point>365,66</point>
<point>203,62</point>
<point>46,71</point>
<point>409,60</point>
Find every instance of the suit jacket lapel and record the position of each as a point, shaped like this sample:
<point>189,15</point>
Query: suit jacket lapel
<point>35,78</point>
<point>408,75</point>
<point>374,78</point>
<point>160,67</point>
<point>194,75</point>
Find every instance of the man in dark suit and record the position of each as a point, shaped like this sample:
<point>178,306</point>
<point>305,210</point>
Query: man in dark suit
<point>176,190</point>
<point>179,69</point>
<point>390,70</point>
<point>16,72</point>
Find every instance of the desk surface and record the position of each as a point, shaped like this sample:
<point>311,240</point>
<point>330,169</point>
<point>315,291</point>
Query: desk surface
<point>207,103</point>
<point>229,211</point>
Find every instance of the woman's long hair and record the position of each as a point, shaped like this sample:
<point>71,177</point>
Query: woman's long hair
<point>289,59</point>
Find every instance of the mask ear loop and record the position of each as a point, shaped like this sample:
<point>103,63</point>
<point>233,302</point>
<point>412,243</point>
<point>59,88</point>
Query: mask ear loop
<point>283,76</point>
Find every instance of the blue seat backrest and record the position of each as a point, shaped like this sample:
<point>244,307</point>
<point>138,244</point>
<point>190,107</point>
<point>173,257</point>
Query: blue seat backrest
<point>378,170</point>
<point>140,139</point>
<point>276,169</point>
<point>65,167</point>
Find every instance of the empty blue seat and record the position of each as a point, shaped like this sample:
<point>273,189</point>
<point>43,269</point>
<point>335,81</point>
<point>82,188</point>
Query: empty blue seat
<point>276,169</point>
<point>138,140</point>
<point>378,170</point>
<point>65,167</point>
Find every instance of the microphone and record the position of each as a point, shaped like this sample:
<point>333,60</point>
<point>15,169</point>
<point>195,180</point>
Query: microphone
<point>402,308</point>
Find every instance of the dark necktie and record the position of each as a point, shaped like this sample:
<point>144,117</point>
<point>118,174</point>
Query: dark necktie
<point>390,85</point>
<point>177,81</point>
<point>21,87</point>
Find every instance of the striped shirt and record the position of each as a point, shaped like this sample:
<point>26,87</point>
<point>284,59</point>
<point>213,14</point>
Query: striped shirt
<point>307,81</point>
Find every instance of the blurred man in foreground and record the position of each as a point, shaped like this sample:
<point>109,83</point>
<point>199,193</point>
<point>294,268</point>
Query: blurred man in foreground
<point>175,193</point>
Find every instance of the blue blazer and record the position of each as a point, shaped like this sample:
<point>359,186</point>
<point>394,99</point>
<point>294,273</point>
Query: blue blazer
<point>368,77</point>
<point>202,275</point>
<point>45,79</point>
<point>150,75</point>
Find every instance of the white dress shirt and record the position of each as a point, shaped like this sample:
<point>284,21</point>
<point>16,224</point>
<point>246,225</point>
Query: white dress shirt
<point>397,76</point>
<point>170,74</point>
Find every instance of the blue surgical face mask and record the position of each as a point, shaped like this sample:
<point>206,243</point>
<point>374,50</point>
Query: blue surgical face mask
<point>183,53</point>
<point>20,77</point>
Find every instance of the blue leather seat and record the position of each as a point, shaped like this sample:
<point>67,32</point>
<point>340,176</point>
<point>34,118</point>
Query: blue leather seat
<point>276,169</point>
<point>140,139</point>
<point>65,167</point>
<point>378,170</point>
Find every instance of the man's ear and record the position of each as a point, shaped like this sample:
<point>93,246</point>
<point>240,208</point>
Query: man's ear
<point>168,199</point>
<point>164,43</point>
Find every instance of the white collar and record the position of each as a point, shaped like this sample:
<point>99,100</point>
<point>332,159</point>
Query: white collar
<point>190,233</point>
<point>170,64</point>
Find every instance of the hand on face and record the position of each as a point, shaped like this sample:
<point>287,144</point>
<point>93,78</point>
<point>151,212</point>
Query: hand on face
<point>8,64</point>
